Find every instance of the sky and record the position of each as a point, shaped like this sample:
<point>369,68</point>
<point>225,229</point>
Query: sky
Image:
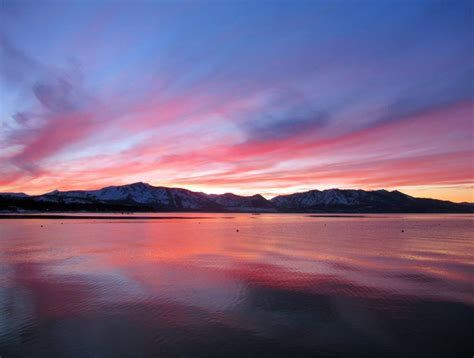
<point>267,97</point>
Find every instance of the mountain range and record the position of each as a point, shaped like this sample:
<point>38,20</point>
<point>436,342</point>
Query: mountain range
<point>142,197</point>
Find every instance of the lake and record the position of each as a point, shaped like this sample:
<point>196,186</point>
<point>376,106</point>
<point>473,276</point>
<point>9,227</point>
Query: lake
<point>237,285</point>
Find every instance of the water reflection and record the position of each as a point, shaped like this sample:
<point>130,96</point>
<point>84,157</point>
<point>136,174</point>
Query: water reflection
<point>281,285</point>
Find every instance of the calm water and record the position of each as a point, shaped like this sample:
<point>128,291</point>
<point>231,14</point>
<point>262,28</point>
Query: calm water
<point>282,285</point>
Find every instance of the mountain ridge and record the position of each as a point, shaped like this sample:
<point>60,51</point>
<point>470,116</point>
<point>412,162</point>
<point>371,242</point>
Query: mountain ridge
<point>143,197</point>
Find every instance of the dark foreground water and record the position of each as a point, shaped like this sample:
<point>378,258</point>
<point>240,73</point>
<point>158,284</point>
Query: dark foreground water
<point>194,286</point>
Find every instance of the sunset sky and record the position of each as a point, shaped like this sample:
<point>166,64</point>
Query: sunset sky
<point>265,97</point>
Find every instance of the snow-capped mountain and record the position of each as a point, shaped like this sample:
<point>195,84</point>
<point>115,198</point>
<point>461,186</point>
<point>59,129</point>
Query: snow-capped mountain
<point>329,197</point>
<point>145,197</point>
<point>337,200</point>
<point>160,198</point>
<point>141,194</point>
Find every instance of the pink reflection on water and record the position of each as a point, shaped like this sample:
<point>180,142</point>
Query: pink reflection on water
<point>286,285</point>
<point>207,263</point>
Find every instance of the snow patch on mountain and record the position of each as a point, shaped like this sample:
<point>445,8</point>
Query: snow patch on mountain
<point>144,197</point>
